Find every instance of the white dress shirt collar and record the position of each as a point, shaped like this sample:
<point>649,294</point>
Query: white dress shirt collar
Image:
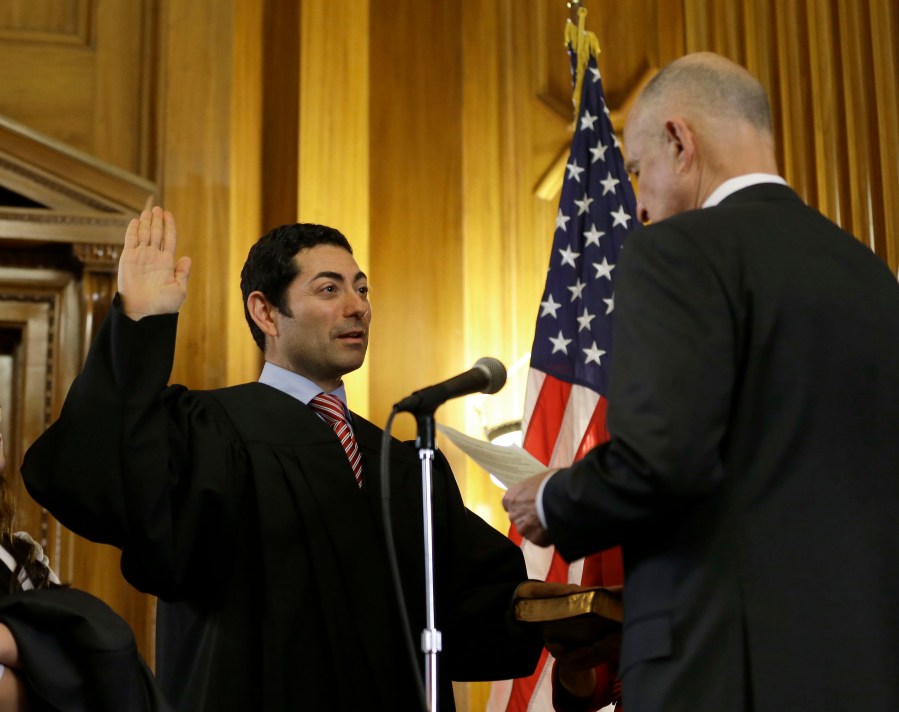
<point>732,185</point>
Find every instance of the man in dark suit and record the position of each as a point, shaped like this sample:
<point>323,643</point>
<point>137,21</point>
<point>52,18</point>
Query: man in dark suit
<point>253,518</point>
<point>752,475</point>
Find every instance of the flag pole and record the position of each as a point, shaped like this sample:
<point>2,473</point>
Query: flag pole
<point>568,382</point>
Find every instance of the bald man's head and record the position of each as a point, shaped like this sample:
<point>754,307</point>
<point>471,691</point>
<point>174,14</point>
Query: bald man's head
<point>700,121</point>
<point>707,84</point>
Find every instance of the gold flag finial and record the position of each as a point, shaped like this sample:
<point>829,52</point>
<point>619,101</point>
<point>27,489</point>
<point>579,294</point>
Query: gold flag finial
<point>584,44</point>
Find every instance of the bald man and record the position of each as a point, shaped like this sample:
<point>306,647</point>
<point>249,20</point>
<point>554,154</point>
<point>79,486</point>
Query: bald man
<point>752,476</point>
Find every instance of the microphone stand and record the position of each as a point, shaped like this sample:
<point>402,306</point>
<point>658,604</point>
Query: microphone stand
<point>430,637</point>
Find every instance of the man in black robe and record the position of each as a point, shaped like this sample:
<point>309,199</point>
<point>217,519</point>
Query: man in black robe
<point>239,507</point>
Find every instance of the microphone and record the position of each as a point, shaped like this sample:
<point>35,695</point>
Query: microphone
<point>487,375</point>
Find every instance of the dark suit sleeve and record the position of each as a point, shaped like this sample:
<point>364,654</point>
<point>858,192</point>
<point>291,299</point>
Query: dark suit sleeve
<point>152,470</point>
<point>672,378</point>
<point>482,641</point>
<point>77,654</point>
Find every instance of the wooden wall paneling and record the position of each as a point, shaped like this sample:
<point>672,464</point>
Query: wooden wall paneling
<point>334,172</point>
<point>630,39</point>
<point>538,125</point>
<point>760,26</point>
<point>281,89</point>
<point>195,116</point>
<point>49,91</point>
<point>491,225</point>
<point>791,127</point>
<point>884,29</point>
<point>492,229</point>
<point>826,120</point>
<point>716,26</point>
<point>121,129</point>
<point>756,23</point>
<point>248,181</point>
<point>669,32</point>
<point>697,26</point>
<point>729,29</point>
<point>79,75</point>
<point>58,18</point>
<point>416,199</point>
<point>856,106</point>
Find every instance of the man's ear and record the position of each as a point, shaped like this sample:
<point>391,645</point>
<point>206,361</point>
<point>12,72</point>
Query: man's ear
<point>680,143</point>
<point>262,311</point>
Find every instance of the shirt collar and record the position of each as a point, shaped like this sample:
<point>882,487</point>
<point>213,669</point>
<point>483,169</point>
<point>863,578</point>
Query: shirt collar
<point>732,185</point>
<point>293,384</point>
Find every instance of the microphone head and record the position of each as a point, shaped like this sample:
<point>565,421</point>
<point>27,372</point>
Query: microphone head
<point>496,373</point>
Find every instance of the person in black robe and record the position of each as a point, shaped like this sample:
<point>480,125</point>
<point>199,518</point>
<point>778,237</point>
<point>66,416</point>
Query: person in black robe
<point>61,650</point>
<point>238,507</point>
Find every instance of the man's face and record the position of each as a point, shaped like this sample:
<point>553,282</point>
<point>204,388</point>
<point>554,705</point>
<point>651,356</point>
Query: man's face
<point>654,159</point>
<point>326,335</point>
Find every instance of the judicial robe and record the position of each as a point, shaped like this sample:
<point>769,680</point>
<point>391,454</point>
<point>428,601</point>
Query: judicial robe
<point>238,508</point>
<point>77,654</point>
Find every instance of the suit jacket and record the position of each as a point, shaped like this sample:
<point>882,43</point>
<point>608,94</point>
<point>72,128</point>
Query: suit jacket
<point>239,509</point>
<point>753,472</point>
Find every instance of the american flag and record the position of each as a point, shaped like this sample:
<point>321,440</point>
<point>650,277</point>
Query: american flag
<point>565,402</point>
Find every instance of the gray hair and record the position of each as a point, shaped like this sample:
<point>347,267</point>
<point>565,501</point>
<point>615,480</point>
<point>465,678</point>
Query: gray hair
<point>713,85</point>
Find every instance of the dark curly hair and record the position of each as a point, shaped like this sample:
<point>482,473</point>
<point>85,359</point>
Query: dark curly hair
<point>270,267</point>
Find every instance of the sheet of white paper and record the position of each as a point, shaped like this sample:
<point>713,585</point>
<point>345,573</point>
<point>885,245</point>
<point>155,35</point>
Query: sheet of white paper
<point>507,463</point>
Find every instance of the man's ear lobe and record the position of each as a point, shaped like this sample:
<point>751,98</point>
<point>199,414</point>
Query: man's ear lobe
<point>262,313</point>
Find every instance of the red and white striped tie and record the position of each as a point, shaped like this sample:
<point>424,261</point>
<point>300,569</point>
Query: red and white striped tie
<point>331,409</point>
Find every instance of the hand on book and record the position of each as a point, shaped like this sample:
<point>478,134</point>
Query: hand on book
<point>589,671</point>
<point>583,647</point>
<point>579,645</point>
<point>581,627</point>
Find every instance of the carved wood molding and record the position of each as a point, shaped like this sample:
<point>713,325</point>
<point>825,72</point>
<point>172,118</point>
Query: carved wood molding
<point>17,175</point>
<point>98,258</point>
<point>27,21</point>
<point>62,178</point>
<point>28,224</point>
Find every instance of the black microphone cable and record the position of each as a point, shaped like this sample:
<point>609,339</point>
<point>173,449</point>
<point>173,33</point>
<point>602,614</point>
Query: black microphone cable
<point>394,564</point>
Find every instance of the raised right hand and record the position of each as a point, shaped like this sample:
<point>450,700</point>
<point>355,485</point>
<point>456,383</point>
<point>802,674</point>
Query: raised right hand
<point>150,281</point>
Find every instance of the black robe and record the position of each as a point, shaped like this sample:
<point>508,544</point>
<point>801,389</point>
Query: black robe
<point>77,654</point>
<point>238,508</point>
